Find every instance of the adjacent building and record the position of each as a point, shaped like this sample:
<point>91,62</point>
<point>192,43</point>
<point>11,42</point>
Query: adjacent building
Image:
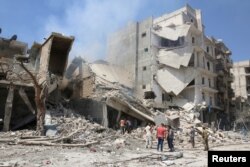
<point>241,89</point>
<point>241,84</point>
<point>172,61</point>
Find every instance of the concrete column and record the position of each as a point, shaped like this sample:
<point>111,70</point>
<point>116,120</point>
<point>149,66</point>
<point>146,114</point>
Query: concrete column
<point>118,116</point>
<point>195,59</point>
<point>105,122</point>
<point>8,109</point>
<point>196,93</point>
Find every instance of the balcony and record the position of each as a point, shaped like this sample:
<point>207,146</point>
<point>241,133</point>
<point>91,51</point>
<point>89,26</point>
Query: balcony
<point>219,56</point>
<point>220,73</point>
<point>207,72</point>
<point>208,89</point>
<point>209,56</point>
<point>230,64</point>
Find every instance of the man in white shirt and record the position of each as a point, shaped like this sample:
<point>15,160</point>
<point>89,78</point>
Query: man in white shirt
<point>148,130</point>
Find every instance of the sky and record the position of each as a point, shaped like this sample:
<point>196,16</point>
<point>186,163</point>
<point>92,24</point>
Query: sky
<point>92,21</point>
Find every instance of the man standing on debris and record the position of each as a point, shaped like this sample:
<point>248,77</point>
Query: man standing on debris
<point>161,133</point>
<point>205,138</point>
<point>128,125</point>
<point>170,138</point>
<point>192,134</point>
<point>122,126</point>
<point>149,130</point>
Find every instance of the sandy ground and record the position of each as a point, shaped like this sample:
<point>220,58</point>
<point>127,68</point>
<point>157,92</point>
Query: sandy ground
<point>39,156</point>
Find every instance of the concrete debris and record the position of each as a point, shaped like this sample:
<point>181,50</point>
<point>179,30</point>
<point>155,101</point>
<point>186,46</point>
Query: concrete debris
<point>175,80</point>
<point>168,163</point>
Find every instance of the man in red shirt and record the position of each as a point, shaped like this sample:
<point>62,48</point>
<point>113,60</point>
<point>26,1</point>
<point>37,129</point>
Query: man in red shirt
<point>161,133</point>
<point>122,125</point>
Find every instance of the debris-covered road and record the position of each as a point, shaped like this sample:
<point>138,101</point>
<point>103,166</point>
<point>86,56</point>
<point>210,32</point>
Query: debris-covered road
<point>80,142</point>
<point>29,156</point>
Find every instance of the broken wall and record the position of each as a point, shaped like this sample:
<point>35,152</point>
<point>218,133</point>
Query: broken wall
<point>88,107</point>
<point>88,87</point>
<point>55,50</point>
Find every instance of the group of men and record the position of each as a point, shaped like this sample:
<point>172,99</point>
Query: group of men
<point>125,125</point>
<point>162,132</point>
<point>166,132</point>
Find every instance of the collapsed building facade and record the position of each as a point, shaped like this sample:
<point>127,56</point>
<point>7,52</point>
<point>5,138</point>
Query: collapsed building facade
<point>46,63</point>
<point>171,61</point>
<point>103,93</point>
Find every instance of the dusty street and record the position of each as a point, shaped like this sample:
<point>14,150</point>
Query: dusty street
<point>131,155</point>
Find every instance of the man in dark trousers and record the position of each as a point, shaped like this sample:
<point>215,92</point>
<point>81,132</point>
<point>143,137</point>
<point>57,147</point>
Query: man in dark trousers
<point>205,139</point>
<point>192,134</point>
<point>161,133</point>
<point>170,138</point>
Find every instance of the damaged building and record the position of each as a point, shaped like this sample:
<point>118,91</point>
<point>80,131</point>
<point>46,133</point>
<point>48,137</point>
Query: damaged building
<point>224,79</point>
<point>103,93</point>
<point>46,62</point>
<point>171,60</point>
<point>241,89</point>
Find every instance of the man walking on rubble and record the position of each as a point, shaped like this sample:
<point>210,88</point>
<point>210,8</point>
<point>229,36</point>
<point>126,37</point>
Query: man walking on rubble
<point>122,126</point>
<point>149,130</point>
<point>161,133</point>
<point>205,138</point>
<point>170,138</point>
<point>192,134</point>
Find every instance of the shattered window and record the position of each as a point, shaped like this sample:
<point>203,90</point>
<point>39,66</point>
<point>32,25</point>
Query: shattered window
<point>167,97</point>
<point>149,95</point>
<point>203,80</point>
<point>170,43</point>
<point>247,69</point>
<point>145,49</point>
<point>193,40</point>
<point>143,34</point>
<point>208,66</point>
<point>203,96</point>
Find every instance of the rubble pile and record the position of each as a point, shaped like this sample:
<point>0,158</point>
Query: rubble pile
<point>72,131</point>
<point>189,119</point>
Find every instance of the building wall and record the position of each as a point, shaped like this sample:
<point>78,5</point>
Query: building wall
<point>122,48</point>
<point>240,82</point>
<point>144,71</point>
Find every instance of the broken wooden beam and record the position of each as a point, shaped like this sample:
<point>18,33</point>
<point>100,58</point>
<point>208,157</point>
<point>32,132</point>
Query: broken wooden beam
<point>46,143</point>
<point>26,100</point>
<point>8,109</point>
